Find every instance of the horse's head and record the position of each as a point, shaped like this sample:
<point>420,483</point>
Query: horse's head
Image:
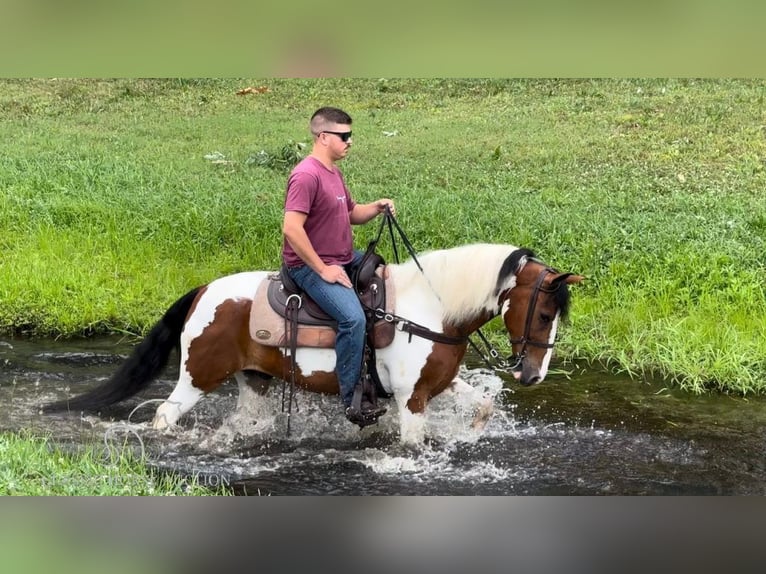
<point>531,310</point>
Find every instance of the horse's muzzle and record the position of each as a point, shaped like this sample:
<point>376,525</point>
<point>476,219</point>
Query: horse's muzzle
<point>526,376</point>
<point>531,380</point>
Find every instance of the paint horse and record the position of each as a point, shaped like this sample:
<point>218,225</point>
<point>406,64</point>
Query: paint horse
<point>440,300</point>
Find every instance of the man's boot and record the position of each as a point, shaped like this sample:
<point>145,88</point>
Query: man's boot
<point>364,410</point>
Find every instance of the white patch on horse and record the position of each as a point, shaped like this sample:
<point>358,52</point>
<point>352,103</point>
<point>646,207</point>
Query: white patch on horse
<point>549,353</point>
<point>312,361</point>
<point>234,287</point>
<point>244,286</point>
<point>411,425</point>
<point>403,360</point>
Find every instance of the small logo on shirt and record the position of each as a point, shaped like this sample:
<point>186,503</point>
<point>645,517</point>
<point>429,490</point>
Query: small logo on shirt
<point>340,197</point>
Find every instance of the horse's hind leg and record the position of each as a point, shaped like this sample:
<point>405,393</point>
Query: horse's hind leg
<point>251,385</point>
<point>214,344</point>
<point>196,379</point>
<point>185,396</point>
<point>180,402</point>
<point>253,414</point>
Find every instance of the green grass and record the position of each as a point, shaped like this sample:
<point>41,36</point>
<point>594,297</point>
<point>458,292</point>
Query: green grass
<point>651,188</point>
<point>34,466</point>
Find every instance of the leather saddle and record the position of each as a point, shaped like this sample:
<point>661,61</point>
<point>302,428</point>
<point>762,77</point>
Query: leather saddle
<point>315,327</point>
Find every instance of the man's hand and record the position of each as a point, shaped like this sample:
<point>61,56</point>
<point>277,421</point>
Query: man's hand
<point>362,213</point>
<point>335,274</point>
<point>381,204</point>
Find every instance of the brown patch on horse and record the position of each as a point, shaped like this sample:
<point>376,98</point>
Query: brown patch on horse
<point>436,375</point>
<point>442,365</point>
<point>220,351</point>
<point>520,295</point>
<point>216,354</point>
<point>540,295</point>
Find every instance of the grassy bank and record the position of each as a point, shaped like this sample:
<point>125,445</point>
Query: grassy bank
<point>652,189</point>
<point>34,466</point>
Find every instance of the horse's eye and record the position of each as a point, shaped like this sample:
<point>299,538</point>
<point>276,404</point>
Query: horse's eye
<point>545,318</point>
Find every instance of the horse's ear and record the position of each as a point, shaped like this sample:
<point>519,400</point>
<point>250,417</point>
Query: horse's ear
<point>567,278</point>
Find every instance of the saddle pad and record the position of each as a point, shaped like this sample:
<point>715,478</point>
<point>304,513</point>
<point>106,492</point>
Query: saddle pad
<point>269,329</point>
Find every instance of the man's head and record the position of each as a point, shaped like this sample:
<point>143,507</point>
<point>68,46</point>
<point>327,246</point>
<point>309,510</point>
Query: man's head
<point>331,128</point>
<point>328,119</point>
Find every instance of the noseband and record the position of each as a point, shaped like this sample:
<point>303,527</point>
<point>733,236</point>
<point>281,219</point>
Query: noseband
<point>524,340</point>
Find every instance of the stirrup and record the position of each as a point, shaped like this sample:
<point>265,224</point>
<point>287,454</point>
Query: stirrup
<point>364,418</point>
<point>373,410</point>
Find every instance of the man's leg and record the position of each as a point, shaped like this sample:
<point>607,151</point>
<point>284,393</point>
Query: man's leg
<point>342,304</point>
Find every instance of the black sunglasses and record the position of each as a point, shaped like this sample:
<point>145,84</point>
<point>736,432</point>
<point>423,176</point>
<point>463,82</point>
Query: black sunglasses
<point>344,136</point>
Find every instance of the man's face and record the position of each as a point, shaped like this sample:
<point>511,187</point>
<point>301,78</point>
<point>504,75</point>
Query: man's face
<point>338,140</point>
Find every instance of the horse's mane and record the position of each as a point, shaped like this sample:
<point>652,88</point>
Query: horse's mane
<point>467,279</point>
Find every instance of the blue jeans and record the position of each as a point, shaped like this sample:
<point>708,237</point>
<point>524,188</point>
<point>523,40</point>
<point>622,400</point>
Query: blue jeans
<point>342,304</point>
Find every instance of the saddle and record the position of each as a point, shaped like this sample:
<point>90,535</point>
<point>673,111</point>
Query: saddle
<point>268,324</point>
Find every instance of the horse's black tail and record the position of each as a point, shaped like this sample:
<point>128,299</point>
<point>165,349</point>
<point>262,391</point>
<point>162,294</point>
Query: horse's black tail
<point>146,363</point>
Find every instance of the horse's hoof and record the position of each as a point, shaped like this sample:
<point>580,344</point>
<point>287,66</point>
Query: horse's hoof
<point>479,425</point>
<point>160,423</point>
<point>483,414</point>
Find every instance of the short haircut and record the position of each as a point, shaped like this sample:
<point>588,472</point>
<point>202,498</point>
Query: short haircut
<point>324,117</point>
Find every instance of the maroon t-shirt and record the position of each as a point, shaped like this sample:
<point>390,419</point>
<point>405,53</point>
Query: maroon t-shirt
<point>322,195</point>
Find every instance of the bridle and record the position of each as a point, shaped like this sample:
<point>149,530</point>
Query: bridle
<point>524,340</point>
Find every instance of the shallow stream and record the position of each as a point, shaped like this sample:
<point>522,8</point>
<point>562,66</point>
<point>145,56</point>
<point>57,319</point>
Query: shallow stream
<point>578,433</point>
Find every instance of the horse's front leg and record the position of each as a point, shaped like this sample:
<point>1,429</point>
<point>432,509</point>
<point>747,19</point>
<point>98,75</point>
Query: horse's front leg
<point>412,418</point>
<point>483,405</point>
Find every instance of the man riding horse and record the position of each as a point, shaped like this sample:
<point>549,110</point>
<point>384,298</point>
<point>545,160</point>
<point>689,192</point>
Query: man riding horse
<point>318,247</point>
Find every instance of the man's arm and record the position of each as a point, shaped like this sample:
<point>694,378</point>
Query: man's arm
<point>295,234</point>
<point>362,213</point>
